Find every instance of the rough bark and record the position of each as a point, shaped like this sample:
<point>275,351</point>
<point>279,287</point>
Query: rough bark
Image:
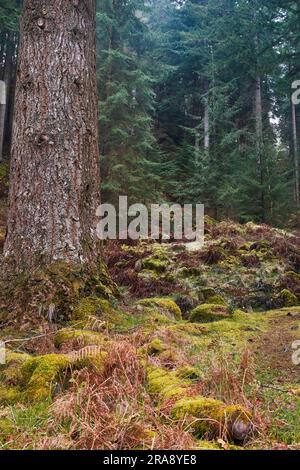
<point>54,188</point>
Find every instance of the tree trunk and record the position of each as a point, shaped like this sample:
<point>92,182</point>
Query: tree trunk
<point>296,156</point>
<point>2,115</point>
<point>259,141</point>
<point>6,109</point>
<point>10,88</point>
<point>54,188</point>
<point>206,126</point>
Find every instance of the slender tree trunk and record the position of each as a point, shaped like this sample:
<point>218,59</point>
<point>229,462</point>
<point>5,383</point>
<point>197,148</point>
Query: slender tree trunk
<point>206,126</point>
<point>54,188</point>
<point>259,140</point>
<point>296,155</point>
<point>5,112</point>
<point>10,87</point>
<point>2,116</point>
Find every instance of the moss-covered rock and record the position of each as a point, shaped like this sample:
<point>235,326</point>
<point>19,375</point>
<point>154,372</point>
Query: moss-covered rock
<point>209,416</point>
<point>164,384</point>
<point>41,374</point>
<point>165,306</point>
<point>209,312</point>
<point>91,306</point>
<point>36,378</point>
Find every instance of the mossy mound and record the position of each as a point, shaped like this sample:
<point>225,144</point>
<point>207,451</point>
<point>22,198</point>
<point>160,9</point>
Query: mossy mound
<point>155,264</point>
<point>216,300</point>
<point>164,306</point>
<point>209,416</point>
<point>155,347</point>
<point>90,307</point>
<point>209,313</point>
<point>11,372</point>
<point>84,337</point>
<point>92,312</point>
<point>42,374</point>
<point>35,379</point>
<point>52,292</point>
<point>164,384</point>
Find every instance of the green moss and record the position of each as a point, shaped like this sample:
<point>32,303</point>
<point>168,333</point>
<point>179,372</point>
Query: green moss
<point>41,374</point>
<point>208,445</point>
<point>164,305</point>
<point>209,313</point>
<point>155,347</point>
<point>189,372</point>
<point>85,337</point>
<point>102,285</point>
<point>165,384</point>
<point>12,371</point>
<point>207,293</point>
<point>209,415</point>
<point>216,300</point>
<point>4,169</point>
<point>90,307</point>
<point>288,298</point>
<point>155,264</point>
<point>9,395</point>
<point>7,428</point>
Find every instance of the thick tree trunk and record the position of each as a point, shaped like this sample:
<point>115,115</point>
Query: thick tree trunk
<point>296,156</point>
<point>54,188</point>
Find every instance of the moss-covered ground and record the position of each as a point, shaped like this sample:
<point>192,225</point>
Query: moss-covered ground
<point>198,350</point>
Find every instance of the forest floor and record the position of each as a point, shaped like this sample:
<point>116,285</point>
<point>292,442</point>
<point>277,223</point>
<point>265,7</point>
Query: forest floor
<point>195,351</point>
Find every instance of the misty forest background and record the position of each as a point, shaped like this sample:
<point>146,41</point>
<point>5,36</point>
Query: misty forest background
<point>194,103</point>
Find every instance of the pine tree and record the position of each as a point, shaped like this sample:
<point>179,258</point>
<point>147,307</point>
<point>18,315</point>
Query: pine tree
<point>129,154</point>
<point>54,184</point>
